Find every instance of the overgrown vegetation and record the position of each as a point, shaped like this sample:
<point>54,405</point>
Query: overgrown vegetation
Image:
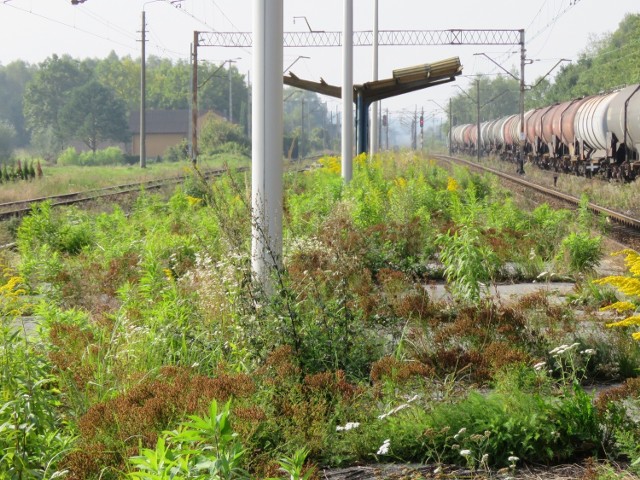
<point>157,357</point>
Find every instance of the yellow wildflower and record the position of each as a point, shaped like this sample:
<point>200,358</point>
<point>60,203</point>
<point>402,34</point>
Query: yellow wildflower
<point>452,185</point>
<point>400,183</point>
<point>360,160</point>
<point>332,164</point>
<point>629,286</point>
<point>193,201</point>
<point>627,322</point>
<point>169,274</point>
<point>619,307</point>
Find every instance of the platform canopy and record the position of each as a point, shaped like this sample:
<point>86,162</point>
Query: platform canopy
<point>404,80</point>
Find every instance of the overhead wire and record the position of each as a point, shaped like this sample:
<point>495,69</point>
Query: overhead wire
<point>68,25</point>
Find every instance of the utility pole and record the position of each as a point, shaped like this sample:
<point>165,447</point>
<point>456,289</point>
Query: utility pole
<point>230,92</point>
<point>143,94</point>
<point>387,129</point>
<point>373,148</point>
<point>301,143</point>
<point>450,125</point>
<point>347,92</point>
<point>422,129</point>
<point>194,100</point>
<point>522,87</point>
<point>478,141</point>
<point>248,103</point>
<point>414,135</point>
<point>266,152</point>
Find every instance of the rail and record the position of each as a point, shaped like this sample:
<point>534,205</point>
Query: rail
<point>609,213</point>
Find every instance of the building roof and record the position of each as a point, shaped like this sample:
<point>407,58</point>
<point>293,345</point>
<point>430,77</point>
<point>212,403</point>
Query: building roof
<point>161,121</point>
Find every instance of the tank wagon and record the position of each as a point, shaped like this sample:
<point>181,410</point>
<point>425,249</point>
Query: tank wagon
<point>593,135</point>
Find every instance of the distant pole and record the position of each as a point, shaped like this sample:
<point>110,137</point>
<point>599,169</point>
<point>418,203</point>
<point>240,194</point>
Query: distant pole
<point>194,101</point>
<point>522,86</point>
<point>422,129</point>
<point>230,92</point>
<point>386,129</point>
<point>478,141</point>
<point>230,95</point>
<point>347,92</point>
<point>266,156</point>
<point>301,142</point>
<point>450,126</point>
<point>373,148</point>
<point>143,94</point>
<point>248,103</point>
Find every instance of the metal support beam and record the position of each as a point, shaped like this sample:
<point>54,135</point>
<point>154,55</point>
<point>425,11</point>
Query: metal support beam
<point>362,106</point>
<point>365,38</point>
<point>266,158</point>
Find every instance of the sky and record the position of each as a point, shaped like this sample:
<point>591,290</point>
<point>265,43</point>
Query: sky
<point>32,30</point>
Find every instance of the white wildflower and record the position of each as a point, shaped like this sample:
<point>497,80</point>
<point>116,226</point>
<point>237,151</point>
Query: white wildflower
<point>348,426</point>
<point>460,432</point>
<point>539,366</point>
<point>392,411</point>
<point>513,459</point>
<point>465,453</point>
<point>384,448</point>
<point>558,349</point>
<point>588,351</point>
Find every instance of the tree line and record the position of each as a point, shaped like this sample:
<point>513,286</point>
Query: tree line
<point>608,62</point>
<point>63,99</point>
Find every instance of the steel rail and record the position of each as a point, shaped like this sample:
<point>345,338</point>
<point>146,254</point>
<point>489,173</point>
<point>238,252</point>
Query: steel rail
<point>609,213</point>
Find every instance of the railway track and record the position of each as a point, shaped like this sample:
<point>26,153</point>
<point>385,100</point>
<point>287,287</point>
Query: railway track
<point>21,208</point>
<point>622,225</point>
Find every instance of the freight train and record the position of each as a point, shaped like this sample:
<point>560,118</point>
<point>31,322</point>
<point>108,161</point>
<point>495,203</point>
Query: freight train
<point>589,136</point>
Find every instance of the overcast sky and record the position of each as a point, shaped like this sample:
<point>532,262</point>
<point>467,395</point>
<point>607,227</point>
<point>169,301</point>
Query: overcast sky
<point>33,30</point>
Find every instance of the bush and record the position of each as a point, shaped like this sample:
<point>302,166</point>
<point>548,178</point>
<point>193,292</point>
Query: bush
<point>105,157</point>
<point>69,157</point>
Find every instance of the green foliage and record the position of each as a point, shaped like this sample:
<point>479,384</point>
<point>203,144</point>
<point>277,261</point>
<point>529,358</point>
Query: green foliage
<point>47,93</point>
<point>93,114</point>
<point>583,250</point>
<point>202,448</point>
<point>218,135</point>
<point>606,63</point>
<point>7,139</point>
<point>13,78</point>
<point>33,434</point>
<point>469,265</point>
<point>106,157</point>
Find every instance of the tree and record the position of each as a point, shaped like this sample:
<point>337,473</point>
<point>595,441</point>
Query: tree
<point>13,79</point>
<point>93,114</point>
<point>122,75</point>
<point>47,93</point>
<point>7,139</point>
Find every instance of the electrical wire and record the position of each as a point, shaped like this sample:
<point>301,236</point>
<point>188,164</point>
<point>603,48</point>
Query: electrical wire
<point>59,22</point>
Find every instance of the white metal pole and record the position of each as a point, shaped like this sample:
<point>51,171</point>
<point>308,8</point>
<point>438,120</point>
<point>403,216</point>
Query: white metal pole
<point>267,167</point>
<point>143,96</point>
<point>373,133</point>
<point>347,92</point>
